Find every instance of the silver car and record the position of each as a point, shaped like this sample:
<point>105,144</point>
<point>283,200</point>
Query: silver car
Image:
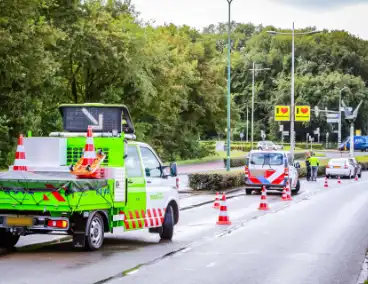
<point>268,145</point>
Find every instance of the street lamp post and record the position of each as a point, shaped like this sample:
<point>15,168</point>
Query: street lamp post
<point>292,118</point>
<point>339,130</point>
<point>247,123</point>
<point>228,86</point>
<point>254,69</point>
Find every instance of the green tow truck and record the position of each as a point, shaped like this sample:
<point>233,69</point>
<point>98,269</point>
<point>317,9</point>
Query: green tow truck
<point>135,191</point>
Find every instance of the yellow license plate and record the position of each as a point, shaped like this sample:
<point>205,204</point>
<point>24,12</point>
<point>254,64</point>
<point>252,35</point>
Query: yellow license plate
<point>19,221</point>
<point>337,167</point>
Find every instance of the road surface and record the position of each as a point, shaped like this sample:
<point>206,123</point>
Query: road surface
<point>319,237</point>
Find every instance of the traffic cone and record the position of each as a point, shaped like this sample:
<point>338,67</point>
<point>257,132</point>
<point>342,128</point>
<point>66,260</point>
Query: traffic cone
<point>216,204</point>
<point>326,182</point>
<point>263,205</point>
<point>288,191</point>
<point>223,218</point>
<point>89,155</point>
<point>356,177</point>
<point>338,180</point>
<point>20,163</point>
<point>284,194</point>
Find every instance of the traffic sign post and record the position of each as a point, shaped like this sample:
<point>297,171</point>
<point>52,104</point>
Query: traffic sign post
<point>316,132</point>
<point>263,135</point>
<point>327,134</point>
<point>282,113</point>
<point>302,113</point>
<point>241,136</point>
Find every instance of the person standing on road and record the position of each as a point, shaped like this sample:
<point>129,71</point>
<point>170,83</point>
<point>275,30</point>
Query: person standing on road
<point>314,163</point>
<point>308,166</point>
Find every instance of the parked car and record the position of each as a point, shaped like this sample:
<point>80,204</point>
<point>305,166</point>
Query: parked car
<point>343,167</point>
<point>272,169</point>
<point>268,145</point>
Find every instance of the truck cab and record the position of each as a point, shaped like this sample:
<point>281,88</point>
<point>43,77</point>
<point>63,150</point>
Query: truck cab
<point>134,189</point>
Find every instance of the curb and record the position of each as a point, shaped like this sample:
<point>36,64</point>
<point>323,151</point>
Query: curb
<point>194,205</point>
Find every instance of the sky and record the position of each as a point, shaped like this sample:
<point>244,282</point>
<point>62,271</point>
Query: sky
<point>346,15</point>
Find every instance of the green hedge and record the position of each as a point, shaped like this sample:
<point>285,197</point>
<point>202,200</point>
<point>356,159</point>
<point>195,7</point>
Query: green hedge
<point>236,162</point>
<point>215,182</point>
<point>221,181</point>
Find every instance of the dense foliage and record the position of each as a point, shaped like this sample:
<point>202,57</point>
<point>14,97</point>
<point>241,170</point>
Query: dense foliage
<point>172,78</point>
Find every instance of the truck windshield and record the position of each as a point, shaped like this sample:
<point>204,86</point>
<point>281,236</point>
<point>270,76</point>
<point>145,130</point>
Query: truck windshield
<point>260,159</point>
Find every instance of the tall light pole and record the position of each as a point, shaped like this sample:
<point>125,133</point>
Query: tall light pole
<point>247,123</point>
<point>339,130</point>
<point>228,86</point>
<point>254,69</point>
<point>292,107</point>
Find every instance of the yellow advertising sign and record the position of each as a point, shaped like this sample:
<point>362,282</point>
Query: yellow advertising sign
<point>302,113</point>
<point>358,132</point>
<point>282,113</point>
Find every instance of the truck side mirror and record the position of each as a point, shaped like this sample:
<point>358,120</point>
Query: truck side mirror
<point>297,165</point>
<point>173,169</point>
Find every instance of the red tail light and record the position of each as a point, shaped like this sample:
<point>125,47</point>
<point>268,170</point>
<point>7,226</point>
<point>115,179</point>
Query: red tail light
<point>346,166</point>
<point>62,224</point>
<point>328,166</point>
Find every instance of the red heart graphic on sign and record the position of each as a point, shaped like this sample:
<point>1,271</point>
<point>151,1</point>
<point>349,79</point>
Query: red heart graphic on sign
<point>304,109</point>
<point>284,110</point>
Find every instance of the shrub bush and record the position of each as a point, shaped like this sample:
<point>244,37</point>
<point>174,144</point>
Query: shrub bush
<point>215,181</point>
<point>236,162</point>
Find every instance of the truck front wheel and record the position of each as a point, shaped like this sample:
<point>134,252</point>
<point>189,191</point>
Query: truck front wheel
<point>167,231</point>
<point>95,233</point>
<point>7,239</point>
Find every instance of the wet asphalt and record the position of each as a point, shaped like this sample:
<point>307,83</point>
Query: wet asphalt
<point>319,237</point>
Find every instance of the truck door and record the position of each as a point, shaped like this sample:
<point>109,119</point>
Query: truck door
<point>136,197</point>
<point>157,187</point>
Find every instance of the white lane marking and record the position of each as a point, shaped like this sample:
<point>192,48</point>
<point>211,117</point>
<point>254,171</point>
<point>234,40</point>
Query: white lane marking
<point>186,250</point>
<point>212,264</point>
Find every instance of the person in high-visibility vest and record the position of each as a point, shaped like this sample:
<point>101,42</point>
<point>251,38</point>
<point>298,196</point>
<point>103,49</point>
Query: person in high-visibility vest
<point>314,163</point>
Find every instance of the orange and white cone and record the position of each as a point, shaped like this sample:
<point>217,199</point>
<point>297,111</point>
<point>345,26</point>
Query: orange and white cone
<point>263,205</point>
<point>288,191</point>
<point>326,182</point>
<point>216,204</point>
<point>284,194</point>
<point>20,163</point>
<point>223,218</point>
<point>89,155</point>
<point>338,180</point>
<point>356,177</point>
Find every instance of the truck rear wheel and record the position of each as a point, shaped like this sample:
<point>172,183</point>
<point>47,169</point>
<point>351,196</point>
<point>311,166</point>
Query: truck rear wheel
<point>168,225</point>
<point>7,239</point>
<point>95,233</point>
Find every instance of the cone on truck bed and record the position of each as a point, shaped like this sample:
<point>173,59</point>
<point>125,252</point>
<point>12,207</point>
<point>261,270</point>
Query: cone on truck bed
<point>89,165</point>
<point>20,163</point>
